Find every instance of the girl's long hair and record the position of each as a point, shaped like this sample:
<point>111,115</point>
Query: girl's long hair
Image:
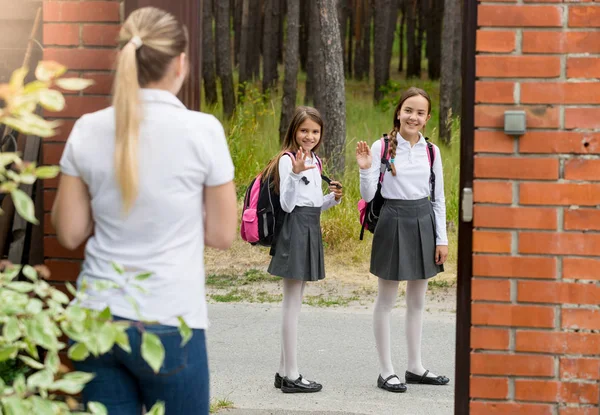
<point>409,93</point>
<point>163,38</point>
<point>290,144</point>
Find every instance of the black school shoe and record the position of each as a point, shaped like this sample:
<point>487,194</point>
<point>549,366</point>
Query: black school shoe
<point>278,380</point>
<point>390,387</point>
<point>424,380</point>
<point>297,386</point>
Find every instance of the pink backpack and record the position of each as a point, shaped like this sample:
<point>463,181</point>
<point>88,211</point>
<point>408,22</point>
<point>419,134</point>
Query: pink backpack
<point>261,212</point>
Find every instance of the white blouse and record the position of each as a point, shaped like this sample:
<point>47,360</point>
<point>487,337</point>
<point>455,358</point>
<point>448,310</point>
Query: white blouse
<point>293,191</point>
<point>411,181</point>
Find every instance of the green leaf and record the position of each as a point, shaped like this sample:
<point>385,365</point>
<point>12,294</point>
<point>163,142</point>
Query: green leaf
<point>122,340</point>
<point>31,362</point>
<point>49,70</point>
<point>20,286</point>
<point>35,86</point>
<point>8,158</point>
<point>75,313</point>
<point>52,361</point>
<point>8,352</point>
<point>11,330</point>
<point>71,289</point>
<point>96,408</point>
<point>24,206</point>
<point>42,379</point>
<point>19,384</point>
<point>139,288</point>
<point>105,315</point>
<point>184,331</point>
<point>34,306</point>
<point>11,272</point>
<point>13,405</point>
<point>78,352</point>
<point>52,100</point>
<point>30,272</point>
<point>104,285</point>
<point>119,268</point>
<point>18,77</point>
<point>47,172</point>
<point>72,383</point>
<point>74,84</point>
<point>41,406</point>
<point>144,276</point>
<point>106,338</point>
<point>153,351</point>
<point>157,409</point>
<point>59,296</point>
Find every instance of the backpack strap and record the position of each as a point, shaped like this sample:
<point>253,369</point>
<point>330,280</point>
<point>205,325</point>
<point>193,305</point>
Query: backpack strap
<point>385,157</point>
<point>431,157</point>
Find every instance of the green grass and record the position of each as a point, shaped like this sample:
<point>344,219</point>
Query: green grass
<point>219,404</point>
<point>251,276</point>
<point>253,137</point>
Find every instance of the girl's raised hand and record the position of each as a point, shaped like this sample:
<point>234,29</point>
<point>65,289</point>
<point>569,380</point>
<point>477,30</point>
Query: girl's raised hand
<point>363,155</point>
<point>298,165</point>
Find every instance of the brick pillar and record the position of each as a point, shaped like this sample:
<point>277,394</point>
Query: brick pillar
<point>536,247</point>
<point>81,35</point>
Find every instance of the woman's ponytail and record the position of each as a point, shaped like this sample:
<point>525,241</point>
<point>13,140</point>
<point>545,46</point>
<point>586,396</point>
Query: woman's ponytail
<point>126,102</point>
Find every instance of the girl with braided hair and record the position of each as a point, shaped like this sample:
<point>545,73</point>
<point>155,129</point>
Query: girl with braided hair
<point>410,242</point>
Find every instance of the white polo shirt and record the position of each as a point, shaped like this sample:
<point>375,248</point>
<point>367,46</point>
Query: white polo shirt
<point>179,152</point>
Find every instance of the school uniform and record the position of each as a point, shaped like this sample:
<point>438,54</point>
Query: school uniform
<point>299,246</point>
<point>410,225</point>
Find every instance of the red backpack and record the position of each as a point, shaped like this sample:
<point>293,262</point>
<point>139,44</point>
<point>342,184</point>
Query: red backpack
<point>369,211</point>
<point>261,212</point>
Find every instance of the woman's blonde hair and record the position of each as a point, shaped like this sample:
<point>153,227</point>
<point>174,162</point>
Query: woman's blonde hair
<point>149,40</point>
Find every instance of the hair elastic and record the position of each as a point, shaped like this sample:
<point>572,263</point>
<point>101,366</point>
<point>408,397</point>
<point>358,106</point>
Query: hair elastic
<point>136,41</point>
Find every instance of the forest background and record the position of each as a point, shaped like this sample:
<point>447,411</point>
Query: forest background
<point>351,59</point>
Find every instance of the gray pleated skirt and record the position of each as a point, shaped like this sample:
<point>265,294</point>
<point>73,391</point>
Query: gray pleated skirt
<point>299,246</point>
<point>404,241</point>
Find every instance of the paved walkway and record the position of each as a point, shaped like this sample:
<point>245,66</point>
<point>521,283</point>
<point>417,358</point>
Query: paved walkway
<point>336,348</point>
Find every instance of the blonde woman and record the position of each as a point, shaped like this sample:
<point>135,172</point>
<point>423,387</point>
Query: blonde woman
<point>148,183</point>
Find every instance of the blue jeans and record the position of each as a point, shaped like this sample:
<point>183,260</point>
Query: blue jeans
<point>125,383</point>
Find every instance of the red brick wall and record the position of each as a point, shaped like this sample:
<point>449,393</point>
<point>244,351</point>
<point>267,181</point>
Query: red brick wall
<point>535,333</point>
<point>80,34</point>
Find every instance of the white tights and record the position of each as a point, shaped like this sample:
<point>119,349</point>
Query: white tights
<point>293,292</point>
<point>415,304</point>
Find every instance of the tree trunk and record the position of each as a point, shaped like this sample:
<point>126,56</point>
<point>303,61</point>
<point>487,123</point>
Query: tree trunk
<point>434,39</point>
<point>450,83</point>
<point>256,27</point>
<point>282,14</point>
<point>342,19</point>
<point>314,64</point>
<point>208,54</point>
<point>421,13</point>
<point>367,37</point>
<point>237,28</point>
<point>223,45</point>
<point>413,61</point>
<point>393,24</point>
<point>363,17</point>
<point>380,53</point>
<point>304,31</point>
<point>271,36</point>
<point>334,136</point>
<point>401,31</point>
<point>245,46</point>
<point>290,82</point>
<point>351,28</point>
